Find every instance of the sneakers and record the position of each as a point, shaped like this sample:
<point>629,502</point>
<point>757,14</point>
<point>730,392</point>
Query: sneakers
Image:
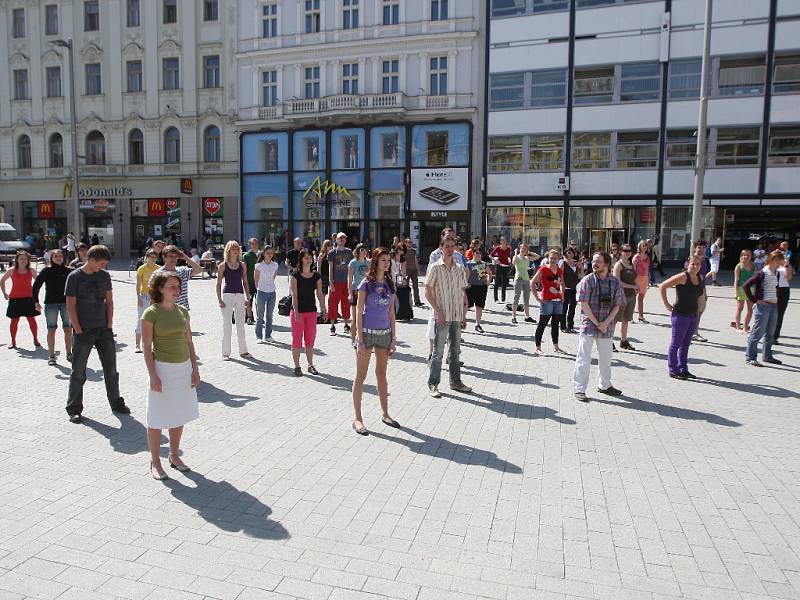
<point>69,357</point>
<point>530,320</point>
<point>513,319</point>
<point>478,328</point>
<point>626,345</point>
<point>435,393</point>
<point>773,361</point>
<point>120,407</point>
<point>333,329</point>
<point>698,338</point>
<point>681,376</point>
<point>754,363</point>
<point>610,391</point>
<point>460,387</point>
<point>614,347</point>
<point>75,419</point>
<point>268,340</point>
<point>581,397</point>
<point>298,372</point>
<point>346,328</point>
<point>689,375</point>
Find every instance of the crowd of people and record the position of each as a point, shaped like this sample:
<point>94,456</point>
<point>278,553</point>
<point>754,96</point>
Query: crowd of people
<point>609,287</point>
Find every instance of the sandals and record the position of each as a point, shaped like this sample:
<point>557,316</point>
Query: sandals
<point>298,372</point>
<point>390,422</point>
<point>52,360</point>
<point>360,430</point>
<point>313,370</point>
<point>181,468</point>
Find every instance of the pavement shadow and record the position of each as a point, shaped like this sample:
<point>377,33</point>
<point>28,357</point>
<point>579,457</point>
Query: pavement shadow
<point>65,371</point>
<point>263,366</point>
<point>403,357</point>
<point>497,349</point>
<point>210,394</point>
<point>435,447</point>
<point>227,508</point>
<point>750,388</point>
<point>129,438</point>
<point>512,378</point>
<point>692,360</point>
<point>626,365</point>
<point>514,410</point>
<point>342,383</point>
<point>665,410</point>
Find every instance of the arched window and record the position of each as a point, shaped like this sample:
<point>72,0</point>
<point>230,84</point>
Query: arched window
<point>24,152</point>
<point>55,151</point>
<point>211,144</point>
<point>95,148</point>
<point>136,147</point>
<point>172,146</point>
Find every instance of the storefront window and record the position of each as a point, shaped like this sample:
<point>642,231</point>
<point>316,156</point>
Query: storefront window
<point>539,228</point>
<point>44,218</point>
<point>386,205</point>
<point>213,223</point>
<point>263,195</point>
<point>440,145</point>
<point>676,230</point>
<point>309,150</point>
<point>273,233</point>
<point>347,147</point>
<point>596,228</point>
<point>265,152</point>
<point>156,218</point>
<point>387,147</point>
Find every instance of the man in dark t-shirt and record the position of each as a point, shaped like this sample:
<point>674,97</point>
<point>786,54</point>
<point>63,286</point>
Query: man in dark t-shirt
<point>293,255</point>
<point>90,303</point>
<point>250,258</point>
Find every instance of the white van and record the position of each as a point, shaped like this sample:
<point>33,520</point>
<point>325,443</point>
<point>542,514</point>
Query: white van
<point>10,242</point>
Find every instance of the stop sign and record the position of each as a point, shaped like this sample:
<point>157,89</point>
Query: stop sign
<point>212,206</point>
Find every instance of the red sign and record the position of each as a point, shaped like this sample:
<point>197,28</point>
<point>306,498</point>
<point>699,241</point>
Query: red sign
<point>647,215</point>
<point>212,206</point>
<point>101,205</point>
<point>172,204</point>
<point>46,210</point>
<point>156,207</point>
<point>186,185</point>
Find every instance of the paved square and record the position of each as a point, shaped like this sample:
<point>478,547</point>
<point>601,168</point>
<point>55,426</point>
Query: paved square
<point>677,489</point>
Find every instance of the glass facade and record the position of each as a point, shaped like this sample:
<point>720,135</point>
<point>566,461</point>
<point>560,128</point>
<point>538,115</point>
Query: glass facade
<point>43,218</point>
<point>314,183</point>
<point>539,228</point>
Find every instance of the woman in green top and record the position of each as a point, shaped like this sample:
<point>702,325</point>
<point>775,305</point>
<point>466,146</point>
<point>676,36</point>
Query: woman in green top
<point>741,273</point>
<point>356,270</point>
<point>522,281</point>
<point>172,365</point>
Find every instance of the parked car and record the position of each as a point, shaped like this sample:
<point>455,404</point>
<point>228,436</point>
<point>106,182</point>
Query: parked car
<point>10,242</point>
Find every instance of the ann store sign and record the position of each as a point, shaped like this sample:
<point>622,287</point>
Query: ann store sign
<point>320,188</point>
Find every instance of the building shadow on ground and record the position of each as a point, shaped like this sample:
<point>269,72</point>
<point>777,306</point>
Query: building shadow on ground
<point>210,394</point>
<point>429,445</point>
<point>226,507</point>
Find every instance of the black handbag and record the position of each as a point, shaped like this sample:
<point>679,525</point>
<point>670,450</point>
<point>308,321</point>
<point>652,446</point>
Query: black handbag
<point>285,306</point>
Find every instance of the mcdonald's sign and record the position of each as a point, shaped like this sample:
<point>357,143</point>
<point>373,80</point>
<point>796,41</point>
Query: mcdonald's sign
<point>186,185</point>
<point>46,210</point>
<point>156,207</point>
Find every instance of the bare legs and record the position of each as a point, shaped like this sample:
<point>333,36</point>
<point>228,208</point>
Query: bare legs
<point>154,443</point>
<point>51,341</point>
<point>640,305</point>
<point>362,366</point>
<point>738,315</point>
<point>309,356</point>
<point>623,334</point>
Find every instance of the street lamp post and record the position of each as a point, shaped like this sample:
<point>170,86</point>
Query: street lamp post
<point>702,152</point>
<point>76,206</point>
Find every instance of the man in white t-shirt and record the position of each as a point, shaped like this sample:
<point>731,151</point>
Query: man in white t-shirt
<point>716,256</point>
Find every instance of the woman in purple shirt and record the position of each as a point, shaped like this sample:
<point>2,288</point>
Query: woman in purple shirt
<point>375,330</point>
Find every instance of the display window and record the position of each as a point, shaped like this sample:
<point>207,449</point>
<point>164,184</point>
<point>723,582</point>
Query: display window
<point>265,153</point>
<point>309,150</point>
<point>387,147</point>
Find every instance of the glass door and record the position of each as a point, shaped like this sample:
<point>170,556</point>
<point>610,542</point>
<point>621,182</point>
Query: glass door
<point>619,237</point>
<point>599,240</point>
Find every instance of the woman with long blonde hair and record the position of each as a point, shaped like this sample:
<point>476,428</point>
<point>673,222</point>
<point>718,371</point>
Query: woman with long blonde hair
<point>233,298</point>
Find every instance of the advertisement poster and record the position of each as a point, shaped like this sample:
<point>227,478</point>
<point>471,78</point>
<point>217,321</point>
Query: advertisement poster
<point>439,189</point>
<point>677,238</point>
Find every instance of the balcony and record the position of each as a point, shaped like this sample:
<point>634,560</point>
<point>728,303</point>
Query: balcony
<point>346,104</point>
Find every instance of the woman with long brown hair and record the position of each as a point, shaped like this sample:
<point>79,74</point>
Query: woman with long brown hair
<point>20,299</point>
<point>375,331</point>
<point>641,263</point>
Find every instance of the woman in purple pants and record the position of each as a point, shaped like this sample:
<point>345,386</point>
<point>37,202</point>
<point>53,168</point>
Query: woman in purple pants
<point>688,289</point>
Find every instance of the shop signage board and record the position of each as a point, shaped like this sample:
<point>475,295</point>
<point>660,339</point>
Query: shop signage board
<point>99,205</point>
<point>172,203</point>
<point>212,206</point>
<point>439,190</point>
<point>187,185</point>
<point>109,192</point>
<point>46,210</point>
<point>320,188</point>
<point>156,207</point>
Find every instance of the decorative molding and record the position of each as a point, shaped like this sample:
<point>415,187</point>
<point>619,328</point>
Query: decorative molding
<point>168,45</point>
<point>91,51</point>
<point>19,57</point>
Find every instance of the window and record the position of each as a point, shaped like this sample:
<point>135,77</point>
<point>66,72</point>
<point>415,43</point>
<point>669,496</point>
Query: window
<point>591,151</point>
<point>784,146</point>
<point>391,12</point>
<point>211,144</point>
<point>437,148</point>
<point>55,150</point>
<point>91,15</point>
<point>739,77</point>
<point>439,76</point>
<point>172,146</point>
<point>594,86</point>
<point>737,146</point>
<point>313,18</point>
<point>505,154</point>
<point>682,148</point>
<point>312,82</point>
<point>94,85</point>
<point>350,78</point>
<point>391,76</point>
<point>506,91</point>
<point>21,84</point>
<point>134,13</point>
<point>172,73</point>
<point>24,152</point>
<point>549,88</point>
<point>135,81</point>
<point>787,74</point>
<point>211,71</point>
<point>510,8</point>
<point>269,88</point>
<point>51,19</point>
<point>95,148</point>
<point>637,150</point>
<point>18,17</point>
<point>640,82</point>
<point>349,14</point>
<point>210,10</point>
<point>136,147</point>
<point>684,78</point>
<point>53,75</point>
<point>170,11</point>
<point>439,10</point>
<point>546,152</point>
<point>269,20</point>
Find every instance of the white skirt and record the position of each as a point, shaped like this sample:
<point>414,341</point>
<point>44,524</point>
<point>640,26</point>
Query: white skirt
<point>176,403</point>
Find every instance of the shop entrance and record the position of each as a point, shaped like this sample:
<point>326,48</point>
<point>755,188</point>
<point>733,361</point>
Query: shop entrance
<point>763,227</point>
<point>600,240</point>
<point>431,231</point>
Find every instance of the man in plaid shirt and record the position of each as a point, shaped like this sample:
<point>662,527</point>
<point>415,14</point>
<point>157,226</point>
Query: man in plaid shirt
<point>601,297</point>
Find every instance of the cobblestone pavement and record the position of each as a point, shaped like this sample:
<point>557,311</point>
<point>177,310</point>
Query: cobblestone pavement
<point>677,489</point>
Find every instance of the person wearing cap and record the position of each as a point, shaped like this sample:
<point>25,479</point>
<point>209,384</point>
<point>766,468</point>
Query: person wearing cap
<point>339,295</point>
